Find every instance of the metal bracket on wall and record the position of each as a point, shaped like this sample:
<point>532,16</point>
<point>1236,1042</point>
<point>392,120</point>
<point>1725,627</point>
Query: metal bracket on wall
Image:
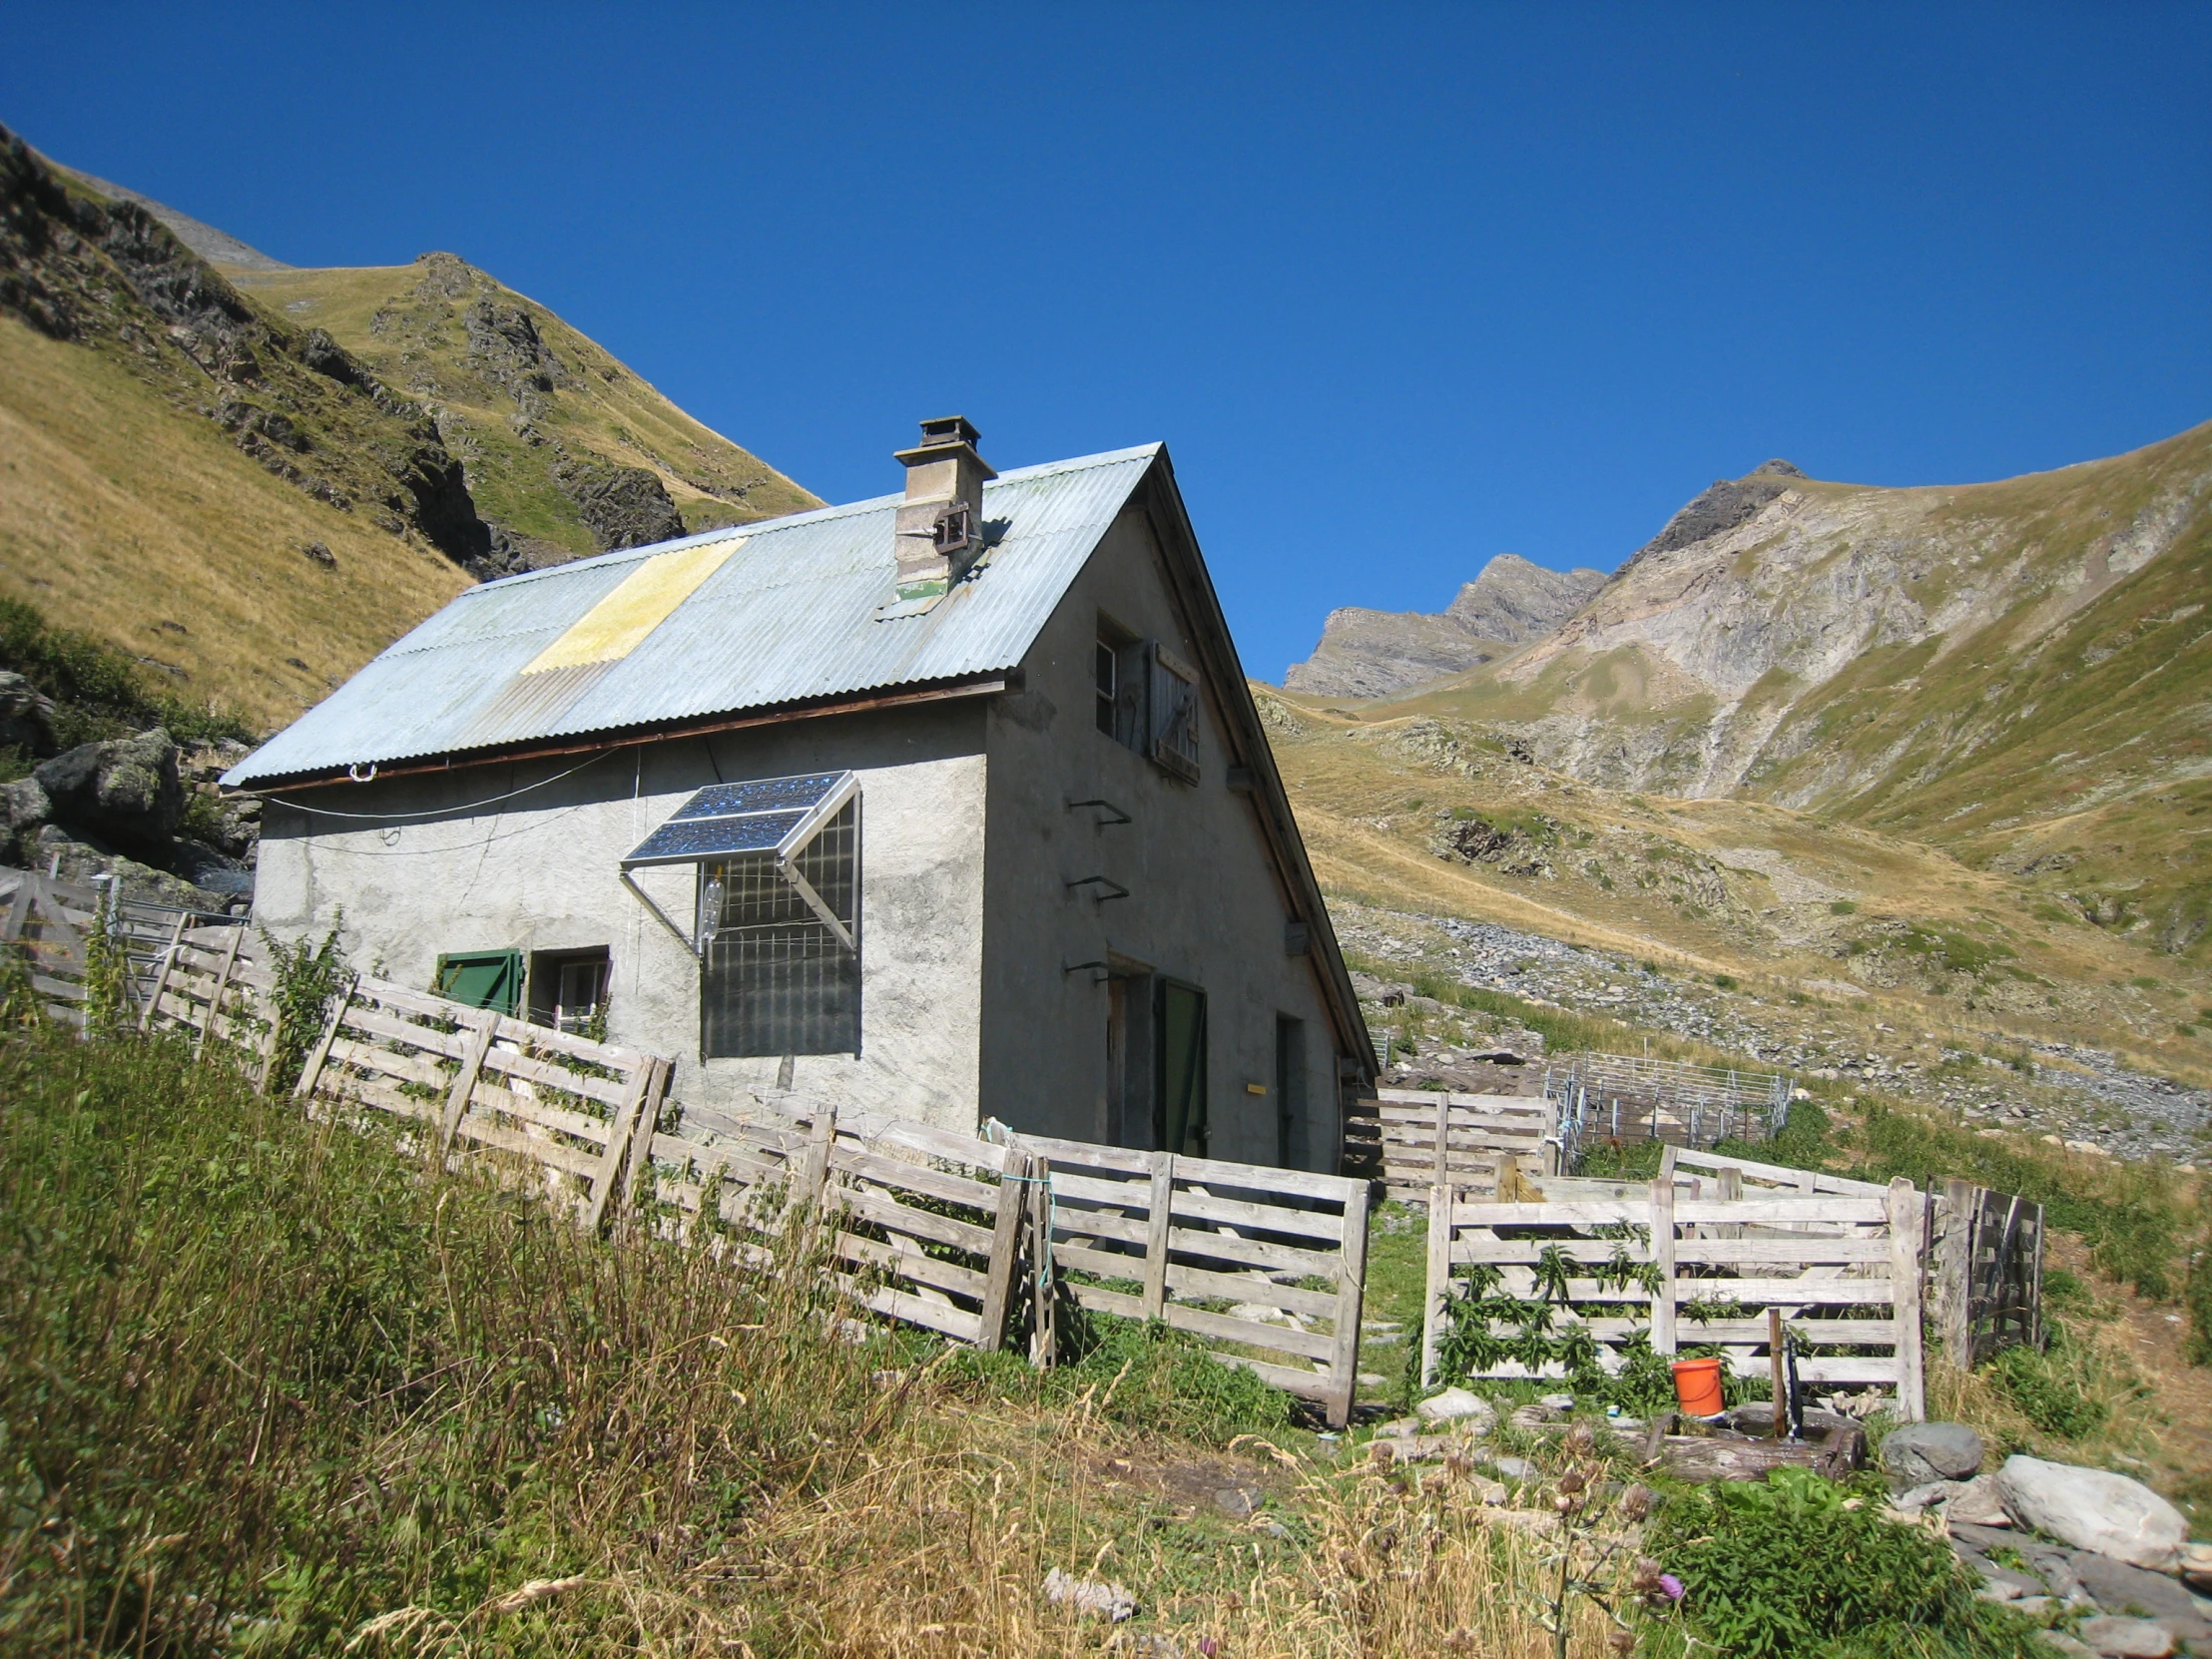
<point>1108,813</point>
<point>646,898</point>
<point>1100,970</point>
<point>1107,888</point>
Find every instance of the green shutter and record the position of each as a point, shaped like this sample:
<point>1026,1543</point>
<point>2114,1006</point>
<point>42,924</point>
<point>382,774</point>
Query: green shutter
<point>482,979</point>
<point>1181,1125</point>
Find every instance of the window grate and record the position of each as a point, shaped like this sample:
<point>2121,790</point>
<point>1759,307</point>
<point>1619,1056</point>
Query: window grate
<point>776,979</point>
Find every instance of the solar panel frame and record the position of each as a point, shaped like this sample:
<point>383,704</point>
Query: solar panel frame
<point>696,833</point>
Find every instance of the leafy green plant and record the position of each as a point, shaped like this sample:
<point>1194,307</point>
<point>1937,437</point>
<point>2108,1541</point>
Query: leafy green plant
<point>1794,1566</point>
<point>2062,1390</point>
<point>308,978</point>
<point>1843,908</point>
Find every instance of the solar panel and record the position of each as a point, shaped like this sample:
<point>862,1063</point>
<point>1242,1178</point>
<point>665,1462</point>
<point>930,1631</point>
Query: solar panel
<point>735,821</point>
<point>761,795</point>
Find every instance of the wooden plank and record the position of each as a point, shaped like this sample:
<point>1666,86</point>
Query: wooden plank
<point>1100,1300</point>
<point>412,1068</point>
<point>215,997</point>
<point>932,1271</point>
<point>1344,1358</point>
<point>1004,1253</point>
<point>618,1146</point>
<point>1247,1287</point>
<point>555,1154</point>
<point>1904,1205</point>
<point>814,1164</point>
<point>310,1073</point>
<point>1799,1247</point>
<point>887,1211</point>
<point>611,1055</point>
<point>913,1309</point>
<point>1442,1201</point>
<point>913,1178</point>
<point>169,967</point>
<point>1662,1223</point>
<point>1309,1384</point>
<point>1076,1257</point>
<point>373,1022</point>
<point>489,1099</point>
<point>1954,1276</point>
<point>1158,1226</point>
<point>943,1143</point>
<point>1281,1338</point>
<point>1256,1253</point>
<point>464,1080</point>
<point>1263,1218</point>
<point>607,1091</point>
<point>643,1131</point>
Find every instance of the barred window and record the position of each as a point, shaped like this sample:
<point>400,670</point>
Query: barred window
<point>776,978</point>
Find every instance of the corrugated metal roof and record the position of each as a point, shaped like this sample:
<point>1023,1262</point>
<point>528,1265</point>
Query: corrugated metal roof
<point>790,615</point>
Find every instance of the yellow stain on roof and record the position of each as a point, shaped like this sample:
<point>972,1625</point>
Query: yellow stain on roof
<point>639,603</point>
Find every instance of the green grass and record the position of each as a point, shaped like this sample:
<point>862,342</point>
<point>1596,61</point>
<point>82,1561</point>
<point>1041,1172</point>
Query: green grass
<point>98,691</point>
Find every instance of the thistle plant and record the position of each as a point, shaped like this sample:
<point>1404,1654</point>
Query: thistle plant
<point>1596,1559</point>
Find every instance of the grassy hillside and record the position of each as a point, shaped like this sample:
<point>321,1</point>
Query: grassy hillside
<point>1411,812</point>
<point>123,518</point>
<point>2027,690</point>
<point>518,392</point>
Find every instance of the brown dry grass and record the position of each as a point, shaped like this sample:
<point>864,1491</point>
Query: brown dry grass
<point>120,513</point>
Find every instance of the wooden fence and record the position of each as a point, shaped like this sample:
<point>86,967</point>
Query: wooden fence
<point>50,923</point>
<point>1266,1265</point>
<point>1987,1253</point>
<point>928,1226</point>
<point>1464,1140</point>
<point>1844,1269</point>
<point>937,1229</point>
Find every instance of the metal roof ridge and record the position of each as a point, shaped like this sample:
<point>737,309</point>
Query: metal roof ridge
<point>812,515</point>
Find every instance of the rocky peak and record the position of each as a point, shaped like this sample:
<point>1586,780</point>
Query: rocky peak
<point>1365,652</point>
<point>1726,504</point>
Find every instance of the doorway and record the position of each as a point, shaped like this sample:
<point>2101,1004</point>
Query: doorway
<point>1179,1116</point>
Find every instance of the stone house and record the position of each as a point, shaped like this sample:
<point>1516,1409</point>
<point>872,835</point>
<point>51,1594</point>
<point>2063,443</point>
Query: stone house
<point>953,803</point>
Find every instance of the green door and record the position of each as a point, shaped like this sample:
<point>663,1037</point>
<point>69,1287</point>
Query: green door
<point>482,979</point>
<point>1181,1120</point>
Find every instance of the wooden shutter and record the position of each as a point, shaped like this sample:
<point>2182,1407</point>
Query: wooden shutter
<point>1174,702</point>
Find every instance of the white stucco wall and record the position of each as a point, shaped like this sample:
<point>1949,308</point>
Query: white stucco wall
<point>1205,905</point>
<point>539,872</point>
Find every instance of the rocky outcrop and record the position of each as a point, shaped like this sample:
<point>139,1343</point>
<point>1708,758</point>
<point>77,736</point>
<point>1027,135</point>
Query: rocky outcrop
<point>1365,652</point>
<point>622,506</point>
<point>124,790</point>
<point>99,271</point>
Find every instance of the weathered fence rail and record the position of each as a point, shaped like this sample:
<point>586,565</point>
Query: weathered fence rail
<point>1987,1252</point>
<point>1466,1138</point>
<point>1268,1267</point>
<point>1844,1271</point>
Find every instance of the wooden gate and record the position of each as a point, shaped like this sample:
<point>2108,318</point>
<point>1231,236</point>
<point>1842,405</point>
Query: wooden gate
<point>1987,1249</point>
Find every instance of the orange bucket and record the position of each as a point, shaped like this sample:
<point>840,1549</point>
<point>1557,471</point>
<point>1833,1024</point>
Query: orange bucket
<point>1697,1386</point>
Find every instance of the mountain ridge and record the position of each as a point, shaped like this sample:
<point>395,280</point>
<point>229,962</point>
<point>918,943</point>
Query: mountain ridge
<point>1368,653</point>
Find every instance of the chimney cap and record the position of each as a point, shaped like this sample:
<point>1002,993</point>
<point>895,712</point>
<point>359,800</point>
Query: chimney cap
<point>948,429</point>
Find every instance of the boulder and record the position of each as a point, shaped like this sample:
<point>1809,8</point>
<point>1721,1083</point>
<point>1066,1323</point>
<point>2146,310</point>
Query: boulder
<point>124,792</point>
<point>1454,1404</point>
<point>1917,1453</point>
<point>26,718</point>
<point>2120,1638</point>
<point>1110,1602</point>
<point>2120,1588</point>
<point>1977,1504</point>
<point>2094,1509</point>
<point>23,805</point>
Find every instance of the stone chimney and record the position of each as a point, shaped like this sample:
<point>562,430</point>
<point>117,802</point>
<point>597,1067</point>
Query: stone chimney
<point>940,523</point>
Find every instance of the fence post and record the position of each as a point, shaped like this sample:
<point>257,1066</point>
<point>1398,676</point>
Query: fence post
<point>161,979</point>
<point>1662,1255</point>
<point>464,1080</point>
<point>1352,1276</point>
<point>215,1000</point>
<point>641,1135</point>
<point>1439,1281</point>
<point>1953,1276</point>
<point>312,1072</point>
<point>814,1169</point>
<point>1045,1337</point>
<point>620,1134</point>
<point>1156,1236</point>
<point>1905,1221</point>
<point>1443,1138</point>
<point>1013,1205</point>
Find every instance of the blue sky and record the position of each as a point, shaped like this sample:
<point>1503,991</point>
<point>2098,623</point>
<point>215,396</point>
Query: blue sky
<point>1402,286</point>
